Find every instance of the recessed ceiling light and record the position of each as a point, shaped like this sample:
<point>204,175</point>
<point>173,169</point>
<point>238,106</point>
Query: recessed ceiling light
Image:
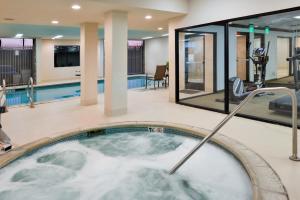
<point>165,35</point>
<point>148,17</point>
<point>160,28</point>
<point>54,22</point>
<point>76,7</point>
<point>57,37</point>
<point>19,35</point>
<point>147,38</point>
<point>297,17</point>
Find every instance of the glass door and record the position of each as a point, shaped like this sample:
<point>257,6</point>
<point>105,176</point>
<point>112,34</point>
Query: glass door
<point>194,62</point>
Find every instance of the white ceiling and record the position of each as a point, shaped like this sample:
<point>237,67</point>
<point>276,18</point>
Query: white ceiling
<point>281,21</point>
<point>38,14</point>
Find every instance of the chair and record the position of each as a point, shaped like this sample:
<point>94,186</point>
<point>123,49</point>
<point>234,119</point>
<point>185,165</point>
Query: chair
<point>16,79</point>
<point>160,75</point>
<point>25,74</point>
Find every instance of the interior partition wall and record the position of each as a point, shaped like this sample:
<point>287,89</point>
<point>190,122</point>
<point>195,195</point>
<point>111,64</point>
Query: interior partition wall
<point>219,64</point>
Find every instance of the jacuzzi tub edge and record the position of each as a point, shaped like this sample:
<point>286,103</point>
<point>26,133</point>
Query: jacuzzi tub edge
<point>266,184</point>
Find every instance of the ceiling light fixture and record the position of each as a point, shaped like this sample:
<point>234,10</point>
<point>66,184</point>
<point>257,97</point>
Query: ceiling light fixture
<point>19,35</point>
<point>165,35</point>
<point>147,38</point>
<point>297,17</point>
<point>57,37</point>
<point>160,28</point>
<point>148,17</point>
<point>54,22</point>
<point>76,7</point>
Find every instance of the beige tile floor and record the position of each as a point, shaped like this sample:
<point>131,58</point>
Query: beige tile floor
<point>272,142</point>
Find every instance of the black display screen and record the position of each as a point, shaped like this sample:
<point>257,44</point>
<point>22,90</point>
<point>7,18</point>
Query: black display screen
<point>66,56</point>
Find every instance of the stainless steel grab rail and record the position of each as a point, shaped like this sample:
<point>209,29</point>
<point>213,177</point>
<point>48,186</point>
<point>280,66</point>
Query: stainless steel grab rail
<point>290,92</point>
<point>3,95</point>
<point>30,94</point>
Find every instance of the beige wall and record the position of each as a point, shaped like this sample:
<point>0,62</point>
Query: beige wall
<point>156,53</point>
<point>46,72</point>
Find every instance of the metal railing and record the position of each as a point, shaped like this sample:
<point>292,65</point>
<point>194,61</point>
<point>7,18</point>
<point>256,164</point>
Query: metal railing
<point>290,92</point>
<point>3,95</point>
<point>30,92</point>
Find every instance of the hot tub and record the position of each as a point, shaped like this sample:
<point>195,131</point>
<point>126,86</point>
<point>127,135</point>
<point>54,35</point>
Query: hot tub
<point>125,162</point>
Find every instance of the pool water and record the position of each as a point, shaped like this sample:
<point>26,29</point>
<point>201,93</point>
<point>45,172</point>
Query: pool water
<point>61,91</point>
<point>125,166</point>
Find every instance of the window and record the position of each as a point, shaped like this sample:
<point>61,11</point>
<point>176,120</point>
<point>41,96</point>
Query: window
<point>135,57</point>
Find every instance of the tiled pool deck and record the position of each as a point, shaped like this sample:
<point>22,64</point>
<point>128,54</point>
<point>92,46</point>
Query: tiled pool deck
<point>272,142</point>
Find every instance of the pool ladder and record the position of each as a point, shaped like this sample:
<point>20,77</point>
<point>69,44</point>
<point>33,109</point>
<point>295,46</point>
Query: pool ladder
<point>30,92</point>
<point>290,92</point>
<point>5,142</point>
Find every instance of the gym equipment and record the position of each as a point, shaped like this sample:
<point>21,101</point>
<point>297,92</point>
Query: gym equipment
<point>283,104</point>
<point>237,92</point>
<point>5,142</point>
<point>260,59</point>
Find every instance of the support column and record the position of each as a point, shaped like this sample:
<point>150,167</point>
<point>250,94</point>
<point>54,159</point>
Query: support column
<point>115,38</point>
<point>89,63</point>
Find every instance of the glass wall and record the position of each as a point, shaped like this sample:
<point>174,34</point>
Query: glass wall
<point>262,57</point>
<point>201,67</point>
<point>219,65</point>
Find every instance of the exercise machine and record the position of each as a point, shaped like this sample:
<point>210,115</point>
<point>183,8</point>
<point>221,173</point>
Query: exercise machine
<point>260,59</point>
<point>284,104</point>
<point>237,91</point>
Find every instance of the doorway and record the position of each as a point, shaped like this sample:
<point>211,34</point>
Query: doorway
<point>242,63</point>
<point>195,62</point>
<point>283,52</point>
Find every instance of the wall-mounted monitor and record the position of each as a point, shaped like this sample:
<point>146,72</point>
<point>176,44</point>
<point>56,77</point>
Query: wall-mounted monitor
<point>67,56</point>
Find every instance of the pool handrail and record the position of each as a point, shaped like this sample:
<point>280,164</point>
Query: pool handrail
<point>288,91</point>
<point>30,94</point>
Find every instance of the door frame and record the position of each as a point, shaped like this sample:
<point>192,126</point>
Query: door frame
<point>290,53</point>
<point>247,53</point>
<point>202,85</point>
<point>215,41</point>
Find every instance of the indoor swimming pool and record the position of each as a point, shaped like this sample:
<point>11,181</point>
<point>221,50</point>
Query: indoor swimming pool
<point>125,164</point>
<point>61,91</point>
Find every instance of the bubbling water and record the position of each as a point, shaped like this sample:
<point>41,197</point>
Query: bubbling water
<point>125,166</point>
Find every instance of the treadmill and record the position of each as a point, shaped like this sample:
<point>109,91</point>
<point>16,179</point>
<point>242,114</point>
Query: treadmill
<point>284,104</point>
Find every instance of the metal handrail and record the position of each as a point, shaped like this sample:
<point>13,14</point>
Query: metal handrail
<point>290,92</point>
<point>30,95</point>
<point>3,95</point>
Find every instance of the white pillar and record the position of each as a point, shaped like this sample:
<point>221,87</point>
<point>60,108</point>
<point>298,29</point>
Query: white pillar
<point>115,44</point>
<point>89,63</point>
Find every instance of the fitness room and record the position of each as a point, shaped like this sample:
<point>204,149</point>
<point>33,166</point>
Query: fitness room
<point>219,64</point>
